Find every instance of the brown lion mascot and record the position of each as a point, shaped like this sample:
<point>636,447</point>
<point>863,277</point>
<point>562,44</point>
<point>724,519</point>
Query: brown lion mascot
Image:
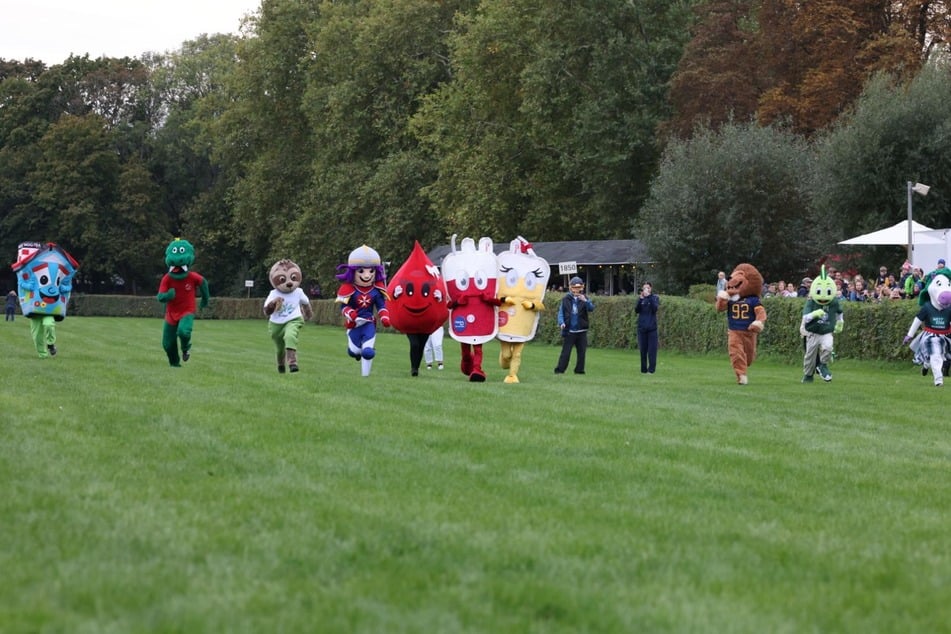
<point>745,316</point>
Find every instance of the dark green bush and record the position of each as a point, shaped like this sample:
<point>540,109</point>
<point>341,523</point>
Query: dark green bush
<point>872,331</point>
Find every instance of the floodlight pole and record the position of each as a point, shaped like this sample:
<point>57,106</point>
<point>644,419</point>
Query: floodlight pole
<point>923,190</point>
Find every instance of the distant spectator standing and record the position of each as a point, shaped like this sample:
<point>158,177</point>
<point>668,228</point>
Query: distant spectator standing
<point>432,351</point>
<point>721,281</point>
<point>11,305</point>
<point>803,290</point>
<point>573,321</point>
<point>647,340</point>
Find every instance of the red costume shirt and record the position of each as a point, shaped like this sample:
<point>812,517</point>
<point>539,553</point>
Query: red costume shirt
<point>184,301</point>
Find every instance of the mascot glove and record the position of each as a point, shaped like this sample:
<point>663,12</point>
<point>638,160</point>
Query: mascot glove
<point>509,301</point>
<point>351,315</point>
<point>203,302</point>
<point>817,313</point>
<point>527,305</point>
<point>167,296</point>
<point>385,320</point>
<point>66,287</point>
<point>906,339</point>
<point>756,326</point>
<point>723,295</point>
<point>839,325</point>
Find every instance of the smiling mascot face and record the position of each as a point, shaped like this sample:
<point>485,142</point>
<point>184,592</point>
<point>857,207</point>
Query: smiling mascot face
<point>745,281</point>
<point>179,256</point>
<point>419,301</point>
<point>285,276</point>
<point>823,288</point>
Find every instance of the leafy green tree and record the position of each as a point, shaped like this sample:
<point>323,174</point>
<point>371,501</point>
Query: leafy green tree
<point>738,194</point>
<point>898,132</point>
<point>372,63</point>
<point>193,93</point>
<point>74,186</point>
<point>262,139</point>
<point>548,125</point>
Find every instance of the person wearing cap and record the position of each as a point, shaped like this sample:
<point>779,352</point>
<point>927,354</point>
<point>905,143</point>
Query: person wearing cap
<point>573,321</point>
<point>804,287</point>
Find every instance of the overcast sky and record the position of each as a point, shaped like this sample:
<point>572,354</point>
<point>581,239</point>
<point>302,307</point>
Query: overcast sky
<point>50,30</point>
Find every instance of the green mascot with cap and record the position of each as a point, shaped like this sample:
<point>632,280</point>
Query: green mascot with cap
<point>177,291</point>
<point>821,317</point>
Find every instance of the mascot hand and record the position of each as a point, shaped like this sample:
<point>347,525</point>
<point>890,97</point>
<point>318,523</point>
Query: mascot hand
<point>278,303</point>
<point>66,287</point>
<point>906,339</point>
<point>167,296</point>
<point>351,315</point>
<point>839,325</point>
<point>723,295</point>
<point>527,305</point>
<point>508,301</point>
<point>817,314</point>
<point>307,311</point>
<point>203,302</point>
<point>385,320</point>
<point>756,326</point>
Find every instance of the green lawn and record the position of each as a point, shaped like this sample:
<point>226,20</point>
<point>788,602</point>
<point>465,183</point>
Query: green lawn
<point>224,497</point>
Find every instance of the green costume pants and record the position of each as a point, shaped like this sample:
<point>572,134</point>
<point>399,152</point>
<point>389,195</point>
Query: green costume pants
<point>172,334</point>
<point>285,335</point>
<point>43,330</point>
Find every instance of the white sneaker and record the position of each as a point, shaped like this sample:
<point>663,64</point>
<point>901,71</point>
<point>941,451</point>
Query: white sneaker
<point>440,366</point>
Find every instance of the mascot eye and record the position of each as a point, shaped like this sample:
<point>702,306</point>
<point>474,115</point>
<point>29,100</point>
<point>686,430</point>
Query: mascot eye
<point>281,279</point>
<point>410,290</point>
<point>44,280</point>
<point>462,281</point>
<point>530,281</point>
<point>438,295</point>
<point>426,289</point>
<point>295,277</point>
<point>481,280</point>
<point>398,291</point>
<point>511,277</point>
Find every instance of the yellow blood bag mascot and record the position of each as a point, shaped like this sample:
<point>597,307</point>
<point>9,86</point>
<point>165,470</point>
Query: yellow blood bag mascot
<point>287,308</point>
<point>523,278</point>
<point>177,291</point>
<point>745,317</point>
<point>821,317</point>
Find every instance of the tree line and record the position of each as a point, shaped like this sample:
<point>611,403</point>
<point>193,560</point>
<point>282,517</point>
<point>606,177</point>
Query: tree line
<point>716,131</point>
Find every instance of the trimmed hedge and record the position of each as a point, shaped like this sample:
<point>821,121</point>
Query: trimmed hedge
<point>872,331</point>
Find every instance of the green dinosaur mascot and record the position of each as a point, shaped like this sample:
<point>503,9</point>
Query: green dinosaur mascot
<point>177,291</point>
<point>821,317</point>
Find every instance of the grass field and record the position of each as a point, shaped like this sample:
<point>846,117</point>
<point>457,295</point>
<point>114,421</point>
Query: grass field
<point>224,497</point>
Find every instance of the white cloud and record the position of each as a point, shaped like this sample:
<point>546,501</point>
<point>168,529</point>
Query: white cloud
<point>51,30</point>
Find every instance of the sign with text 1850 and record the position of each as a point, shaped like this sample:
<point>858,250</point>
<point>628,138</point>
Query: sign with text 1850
<point>567,268</point>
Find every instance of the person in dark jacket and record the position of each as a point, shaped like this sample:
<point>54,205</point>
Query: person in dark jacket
<point>573,321</point>
<point>646,309</point>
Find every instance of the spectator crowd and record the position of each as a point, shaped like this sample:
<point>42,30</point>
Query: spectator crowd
<point>885,286</point>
